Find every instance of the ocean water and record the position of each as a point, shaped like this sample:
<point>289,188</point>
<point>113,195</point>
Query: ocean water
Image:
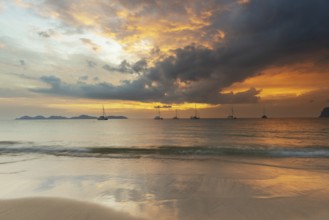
<point>250,169</point>
<point>146,137</point>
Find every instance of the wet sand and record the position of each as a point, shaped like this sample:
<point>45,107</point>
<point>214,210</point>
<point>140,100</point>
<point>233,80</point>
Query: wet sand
<point>56,208</point>
<point>230,188</point>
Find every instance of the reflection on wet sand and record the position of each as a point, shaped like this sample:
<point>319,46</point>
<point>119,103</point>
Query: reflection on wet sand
<point>221,188</point>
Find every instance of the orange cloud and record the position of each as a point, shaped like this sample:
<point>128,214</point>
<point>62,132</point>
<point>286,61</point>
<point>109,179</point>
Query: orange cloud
<point>289,81</point>
<point>131,25</point>
<point>165,33</point>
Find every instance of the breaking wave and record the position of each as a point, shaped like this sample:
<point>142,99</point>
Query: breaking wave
<point>179,151</point>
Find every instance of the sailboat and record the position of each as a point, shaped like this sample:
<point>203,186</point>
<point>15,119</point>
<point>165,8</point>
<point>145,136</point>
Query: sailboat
<point>231,116</point>
<point>176,117</point>
<point>158,117</point>
<point>196,115</point>
<point>103,117</point>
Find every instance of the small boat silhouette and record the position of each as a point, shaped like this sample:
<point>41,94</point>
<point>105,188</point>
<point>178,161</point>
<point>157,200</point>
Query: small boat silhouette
<point>196,115</point>
<point>103,117</point>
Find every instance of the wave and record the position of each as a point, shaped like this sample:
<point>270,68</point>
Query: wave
<point>5,143</point>
<point>133,152</point>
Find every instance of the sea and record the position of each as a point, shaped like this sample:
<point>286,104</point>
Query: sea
<point>173,169</point>
<point>156,138</point>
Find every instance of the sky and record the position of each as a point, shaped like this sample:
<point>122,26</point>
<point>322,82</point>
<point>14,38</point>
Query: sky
<point>68,58</point>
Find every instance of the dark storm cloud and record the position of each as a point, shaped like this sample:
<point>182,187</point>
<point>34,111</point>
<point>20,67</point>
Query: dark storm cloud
<point>258,35</point>
<point>127,91</point>
<point>140,66</point>
<point>137,90</point>
<point>275,32</point>
<point>261,34</point>
<point>126,67</point>
<point>122,68</point>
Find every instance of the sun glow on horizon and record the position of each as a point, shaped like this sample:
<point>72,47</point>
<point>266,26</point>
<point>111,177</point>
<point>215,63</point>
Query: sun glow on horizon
<point>125,105</point>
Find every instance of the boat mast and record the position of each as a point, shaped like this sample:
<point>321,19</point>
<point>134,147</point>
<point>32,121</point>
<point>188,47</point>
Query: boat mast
<point>264,112</point>
<point>195,111</point>
<point>103,111</point>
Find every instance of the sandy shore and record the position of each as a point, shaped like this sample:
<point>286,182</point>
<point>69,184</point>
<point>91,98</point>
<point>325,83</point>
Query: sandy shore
<point>56,208</point>
<point>162,189</point>
<point>66,209</point>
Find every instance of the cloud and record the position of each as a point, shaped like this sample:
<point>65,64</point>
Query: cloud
<point>13,93</point>
<point>256,35</point>
<point>126,91</point>
<point>123,67</point>
<point>172,24</point>
<point>132,23</point>
<point>136,91</point>
<point>91,64</point>
<point>46,34</point>
<point>90,44</point>
<point>83,78</point>
<point>140,66</point>
<point>22,62</point>
<point>254,44</point>
<point>24,76</point>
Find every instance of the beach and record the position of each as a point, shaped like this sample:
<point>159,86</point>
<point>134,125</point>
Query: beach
<point>164,188</point>
<point>56,208</point>
<point>164,110</point>
<point>178,170</point>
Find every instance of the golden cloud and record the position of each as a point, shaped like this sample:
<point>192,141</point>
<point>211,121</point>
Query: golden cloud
<point>166,25</point>
<point>287,81</point>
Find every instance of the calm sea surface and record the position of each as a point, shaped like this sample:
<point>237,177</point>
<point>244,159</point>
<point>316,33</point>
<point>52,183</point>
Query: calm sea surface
<point>205,137</point>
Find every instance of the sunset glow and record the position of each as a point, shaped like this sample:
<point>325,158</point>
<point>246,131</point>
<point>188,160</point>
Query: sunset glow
<point>131,54</point>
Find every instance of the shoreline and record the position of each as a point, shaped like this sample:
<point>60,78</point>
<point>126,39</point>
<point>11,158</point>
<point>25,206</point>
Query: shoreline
<point>51,208</point>
<point>50,188</point>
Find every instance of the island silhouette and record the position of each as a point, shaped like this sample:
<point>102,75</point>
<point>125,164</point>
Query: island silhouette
<point>56,117</point>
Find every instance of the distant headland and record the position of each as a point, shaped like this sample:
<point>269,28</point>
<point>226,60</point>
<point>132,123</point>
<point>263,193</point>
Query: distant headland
<point>55,117</point>
<point>325,113</point>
